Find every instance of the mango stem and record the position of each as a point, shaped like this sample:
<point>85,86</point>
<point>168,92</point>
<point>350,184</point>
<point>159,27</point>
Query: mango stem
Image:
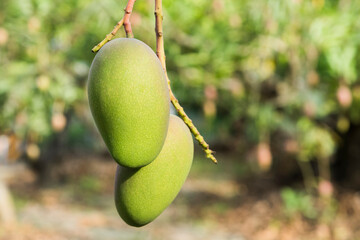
<point>161,55</point>
<point>127,24</point>
<point>124,21</point>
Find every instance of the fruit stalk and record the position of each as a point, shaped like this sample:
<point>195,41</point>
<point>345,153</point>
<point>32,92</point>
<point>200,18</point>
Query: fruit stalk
<point>124,21</point>
<point>160,52</point>
<point>108,36</point>
<point>161,55</point>
<point>127,24</point>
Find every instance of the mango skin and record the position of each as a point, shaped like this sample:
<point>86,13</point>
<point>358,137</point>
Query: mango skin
<point>142,194</point>
<point>129,100</point>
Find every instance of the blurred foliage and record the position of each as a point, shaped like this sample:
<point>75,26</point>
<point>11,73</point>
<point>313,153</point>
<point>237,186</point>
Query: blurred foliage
<point>297,202</point>
<point>252,68</point>
<point>90,184</point>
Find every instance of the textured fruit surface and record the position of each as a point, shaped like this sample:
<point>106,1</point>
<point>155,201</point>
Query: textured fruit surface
<point>129,101</point>
<point>142,194</point>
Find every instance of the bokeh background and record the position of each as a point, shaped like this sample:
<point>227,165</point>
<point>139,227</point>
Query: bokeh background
<point>273,86</point>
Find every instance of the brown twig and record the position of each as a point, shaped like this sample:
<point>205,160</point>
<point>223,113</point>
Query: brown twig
<point>124,21</point>
<point>160,52</point>
<point>161,55</point>
<point>127,24</point>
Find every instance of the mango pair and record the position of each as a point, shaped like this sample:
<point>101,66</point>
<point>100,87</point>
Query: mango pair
<point>129,101</point>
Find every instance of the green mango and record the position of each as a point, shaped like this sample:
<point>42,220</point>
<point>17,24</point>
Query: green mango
<point>142,194</point>
<point>129,100</point>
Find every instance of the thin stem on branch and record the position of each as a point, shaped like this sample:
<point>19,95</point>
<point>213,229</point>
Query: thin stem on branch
<point>160,52</point>
<point>124,21</point>
<point>109,36</point>
<point>127,24</point>
<point>161,55</point>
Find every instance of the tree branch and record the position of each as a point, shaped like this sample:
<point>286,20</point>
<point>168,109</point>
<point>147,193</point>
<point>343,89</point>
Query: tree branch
<point>127,24</point>
<point>124,21</point>
<point>161,55</point>
<point>108,37</point>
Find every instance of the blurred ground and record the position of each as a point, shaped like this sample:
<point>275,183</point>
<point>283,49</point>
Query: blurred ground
<point>210,206</point>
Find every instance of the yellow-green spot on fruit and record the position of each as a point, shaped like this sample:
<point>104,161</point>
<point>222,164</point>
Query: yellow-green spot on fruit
<point>142,194</point>
<point>129,101</point>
